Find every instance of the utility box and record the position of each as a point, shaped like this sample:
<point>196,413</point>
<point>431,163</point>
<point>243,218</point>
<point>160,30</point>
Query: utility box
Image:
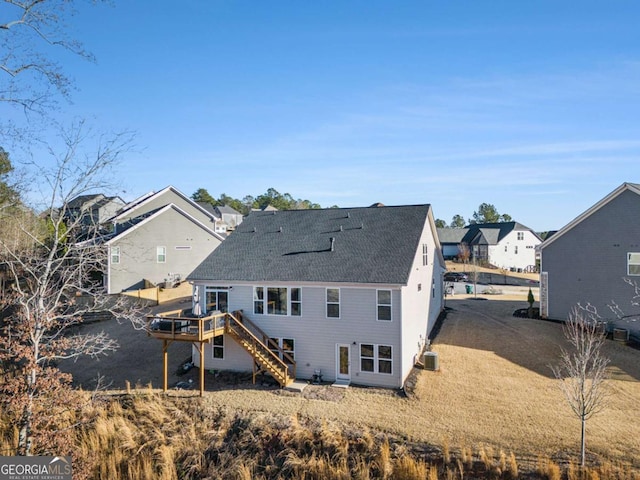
<point>430,361</point>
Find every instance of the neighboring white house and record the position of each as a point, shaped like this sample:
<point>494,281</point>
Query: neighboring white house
<point>352,293</point>
<point>508,245</point>
<point>595,260</point>
<point>159,238</point>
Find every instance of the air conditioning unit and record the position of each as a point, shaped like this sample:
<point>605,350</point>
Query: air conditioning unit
<point>430,361</point>
<point>620,334</point>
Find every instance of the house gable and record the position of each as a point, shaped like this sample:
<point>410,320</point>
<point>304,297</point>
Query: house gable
<point>170,195</point>
<point>587,261</point>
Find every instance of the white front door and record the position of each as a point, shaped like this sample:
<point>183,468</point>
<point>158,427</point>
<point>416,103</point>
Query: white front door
<point>343,362</point>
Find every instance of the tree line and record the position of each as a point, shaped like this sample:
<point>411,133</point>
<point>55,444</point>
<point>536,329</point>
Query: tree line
<point>486,213</point>
<point>271,198</point>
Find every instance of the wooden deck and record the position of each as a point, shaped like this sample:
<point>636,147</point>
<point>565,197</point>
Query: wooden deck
<point>182,325</point>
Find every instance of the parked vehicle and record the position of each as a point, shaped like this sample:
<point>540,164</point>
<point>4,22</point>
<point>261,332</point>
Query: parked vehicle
<point>456,277</point>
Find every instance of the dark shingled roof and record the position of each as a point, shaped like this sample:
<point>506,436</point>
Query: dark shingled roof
<point>371,245</point>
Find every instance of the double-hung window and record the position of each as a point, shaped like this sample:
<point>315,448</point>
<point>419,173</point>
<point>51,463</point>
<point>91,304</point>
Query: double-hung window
<point>384,305</point>
<point>333,303</point>
<point>277,301</point>
<point>115,255</point>
<point>376,358</point>
<point>633,263</point>
<point>161,254</point>
<point>218,346</point>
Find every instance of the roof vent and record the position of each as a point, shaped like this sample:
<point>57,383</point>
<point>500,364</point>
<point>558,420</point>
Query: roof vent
<point>341,229</point>
<point>280,229</point>
<point>348,214</point>
<point>333,243</point>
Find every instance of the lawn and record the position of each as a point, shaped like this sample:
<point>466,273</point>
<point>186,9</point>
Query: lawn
<point>494,388</point>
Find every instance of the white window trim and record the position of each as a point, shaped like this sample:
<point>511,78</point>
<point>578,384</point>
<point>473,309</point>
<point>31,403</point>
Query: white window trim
<point>327,303</point>
<point>265,296</point>
<point>376,358</point>
<point>425,254</point>
<point>115,255</point>
<point>390,304</point>
<point>635,262</point>
<point>158,254</point>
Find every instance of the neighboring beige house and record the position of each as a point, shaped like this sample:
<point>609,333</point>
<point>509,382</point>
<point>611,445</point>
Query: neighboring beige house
<point>595,260</point>
<point>352,293</point>
<point>158,239</point>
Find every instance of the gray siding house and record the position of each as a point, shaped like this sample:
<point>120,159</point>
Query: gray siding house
<point>93,212</point>
<point>351,293</point>
<point>160,238</point>
<point>591,260</point>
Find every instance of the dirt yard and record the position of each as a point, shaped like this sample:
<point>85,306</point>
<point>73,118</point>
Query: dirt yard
<point>494,388</point>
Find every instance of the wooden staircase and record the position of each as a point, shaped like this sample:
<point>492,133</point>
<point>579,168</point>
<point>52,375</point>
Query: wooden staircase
<point>261,348</point>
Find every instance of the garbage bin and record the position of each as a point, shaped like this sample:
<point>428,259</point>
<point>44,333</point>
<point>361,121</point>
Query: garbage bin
<point>469,288</point>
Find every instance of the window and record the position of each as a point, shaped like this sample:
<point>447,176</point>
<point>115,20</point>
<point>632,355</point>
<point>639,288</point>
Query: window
<point>278,300</point>
<point>384,305</point>
<point>376,358</point>
<point>218,346</point>
<point>515,249</point>
<point>520,235</point>
<point>217,299</point>
<point>258,300</point>
<point>633,264</point>
<point>425,254</point>
<point>296,302</point>
<point>506,248</point>
<point>115,255</point>
<point>161,254</point>
<point>333,303</point>
<point>367,360</point>
<point>287,345</point>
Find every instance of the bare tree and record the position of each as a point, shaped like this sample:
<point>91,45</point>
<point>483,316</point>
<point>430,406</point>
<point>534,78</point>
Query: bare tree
<point>52,287</point>
<point>28,30</point>
<point>582,371</point>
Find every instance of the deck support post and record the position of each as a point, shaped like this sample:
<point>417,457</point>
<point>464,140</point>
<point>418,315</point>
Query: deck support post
<point>200,347</point>
<point>201,369</point>
<point>165,364</point>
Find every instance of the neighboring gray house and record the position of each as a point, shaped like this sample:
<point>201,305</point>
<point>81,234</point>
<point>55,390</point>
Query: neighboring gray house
<point>508,245</point>
<point>589,259</point>
<point>93,211</point>
<point>158,238</point>
<point>352,293</point>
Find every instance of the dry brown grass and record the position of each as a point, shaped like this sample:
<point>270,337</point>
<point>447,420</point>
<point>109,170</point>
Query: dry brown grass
<point>493,394</point>
<point>494,388</point>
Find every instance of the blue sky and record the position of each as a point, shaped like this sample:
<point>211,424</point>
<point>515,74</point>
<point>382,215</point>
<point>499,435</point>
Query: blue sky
<point>531,106</point>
